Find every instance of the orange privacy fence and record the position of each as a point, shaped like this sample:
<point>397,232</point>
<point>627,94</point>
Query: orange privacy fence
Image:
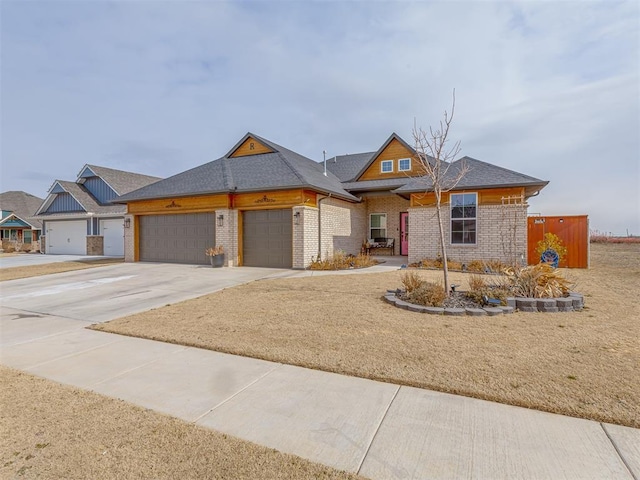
<point>573,230</point>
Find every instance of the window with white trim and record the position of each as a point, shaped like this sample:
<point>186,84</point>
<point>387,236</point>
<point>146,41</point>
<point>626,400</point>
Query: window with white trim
<point>386,166</point>
<point>404,164</point>
<point>463,218</point>
<point>378,225</point>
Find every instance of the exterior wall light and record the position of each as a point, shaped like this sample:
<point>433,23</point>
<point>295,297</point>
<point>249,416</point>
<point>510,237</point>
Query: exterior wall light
<point>127,223</point>
<point>296,218</point>
<point>220,220</point>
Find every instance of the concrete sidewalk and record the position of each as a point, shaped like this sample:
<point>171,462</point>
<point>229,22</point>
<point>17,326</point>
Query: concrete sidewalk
<point>380,430</point>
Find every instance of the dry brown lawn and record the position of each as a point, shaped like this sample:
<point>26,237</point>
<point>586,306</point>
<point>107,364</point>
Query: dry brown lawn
<point>48,430</point>
<point>14,273</point>
<point>583,364</point>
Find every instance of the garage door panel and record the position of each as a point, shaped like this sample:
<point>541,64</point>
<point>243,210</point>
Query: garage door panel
<point>267,238</point>
<point>66,237</point>
<point>178,238</point>
<point>112,231</point>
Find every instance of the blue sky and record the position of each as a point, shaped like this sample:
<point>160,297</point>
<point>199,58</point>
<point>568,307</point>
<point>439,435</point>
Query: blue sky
<point>546,88</point>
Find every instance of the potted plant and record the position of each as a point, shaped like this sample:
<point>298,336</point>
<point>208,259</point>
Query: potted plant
<point>216,256</point>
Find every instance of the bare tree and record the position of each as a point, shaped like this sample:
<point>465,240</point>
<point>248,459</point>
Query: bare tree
<point>435,157</point>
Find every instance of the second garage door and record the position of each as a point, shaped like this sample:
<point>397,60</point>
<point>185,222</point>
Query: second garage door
<point>112,231</point>
<point>267,238</point>
<point>179,238</point>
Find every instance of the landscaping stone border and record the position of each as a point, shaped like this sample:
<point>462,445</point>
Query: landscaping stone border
<point>573,303</point>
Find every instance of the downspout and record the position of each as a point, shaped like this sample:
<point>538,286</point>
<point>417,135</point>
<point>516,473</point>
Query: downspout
<point>320,225</point>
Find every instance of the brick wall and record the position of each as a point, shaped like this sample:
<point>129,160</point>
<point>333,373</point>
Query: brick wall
<point>227,236</point>
<point>129,244</point>
<point>305,236</point>
<point>392,205</point>
<point>343,226</point>
<point>501,234</point>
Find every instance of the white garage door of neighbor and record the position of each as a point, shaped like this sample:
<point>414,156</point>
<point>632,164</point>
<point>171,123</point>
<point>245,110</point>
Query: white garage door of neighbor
<point>112,231</point>
<point>67,238</point>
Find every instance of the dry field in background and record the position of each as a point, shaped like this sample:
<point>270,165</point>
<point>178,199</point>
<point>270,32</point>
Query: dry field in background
<point>583,364</point>
<point>50,430</point>
<point>14,273</point>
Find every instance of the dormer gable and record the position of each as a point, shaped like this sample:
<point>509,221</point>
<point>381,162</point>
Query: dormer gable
<point>250,145</point>
<point>96,185</point>
<point>394,159</point>
<point>60,200</point>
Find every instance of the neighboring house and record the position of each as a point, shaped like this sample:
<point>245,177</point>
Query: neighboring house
<point>17,230</point>
<point>78,218</point>
<point>271,207</point>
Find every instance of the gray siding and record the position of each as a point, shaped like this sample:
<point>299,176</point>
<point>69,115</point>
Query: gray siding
<point>100,190</point>
<point>64,202</point>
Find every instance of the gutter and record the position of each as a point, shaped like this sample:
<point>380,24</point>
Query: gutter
<point>320,225</point>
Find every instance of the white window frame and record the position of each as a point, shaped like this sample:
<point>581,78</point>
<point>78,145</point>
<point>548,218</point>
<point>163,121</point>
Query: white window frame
<point>383,215</point>
<point>386,162</point>
<point>400,169</point>
<point>451,220</point>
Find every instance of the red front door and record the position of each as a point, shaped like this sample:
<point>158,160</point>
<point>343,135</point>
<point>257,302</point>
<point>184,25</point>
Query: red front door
<point>404,233</point>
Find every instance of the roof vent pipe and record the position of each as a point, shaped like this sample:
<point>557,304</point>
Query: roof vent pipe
<point>324,156</point>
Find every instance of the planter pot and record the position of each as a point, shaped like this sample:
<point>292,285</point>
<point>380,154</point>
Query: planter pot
<point>217,260</point>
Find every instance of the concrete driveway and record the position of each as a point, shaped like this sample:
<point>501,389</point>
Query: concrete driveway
<point>101,294</point>
<point>26,259</point>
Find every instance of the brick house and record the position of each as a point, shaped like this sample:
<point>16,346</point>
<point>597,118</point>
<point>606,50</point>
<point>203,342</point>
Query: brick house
<point>271,207</point>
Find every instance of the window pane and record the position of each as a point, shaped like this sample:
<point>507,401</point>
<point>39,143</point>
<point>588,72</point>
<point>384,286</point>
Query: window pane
<point>457,212</point>
<point>375,221</point>
<point>387,166</point>
<point>456,200</point>
<point>378,233</point>
<point>469,212</point>
<point>469,198</point>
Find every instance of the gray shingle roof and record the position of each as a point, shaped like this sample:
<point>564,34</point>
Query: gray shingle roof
<point>371,185</point>
<point>346,167</point>
<point>122,182</point>
<point>268,171</point>
<point>480,175</point>
<point>23,204</point>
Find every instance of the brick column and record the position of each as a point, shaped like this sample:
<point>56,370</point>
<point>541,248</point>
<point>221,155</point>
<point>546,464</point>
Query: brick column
<point>129,242</point>
<point>227,235</point>
<point>305,236</point>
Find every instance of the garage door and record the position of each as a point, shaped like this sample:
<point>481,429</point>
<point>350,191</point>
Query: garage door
<point>112,231</point>
<point>66,238</point>
<point>179,238</point>
<point>266,238</point>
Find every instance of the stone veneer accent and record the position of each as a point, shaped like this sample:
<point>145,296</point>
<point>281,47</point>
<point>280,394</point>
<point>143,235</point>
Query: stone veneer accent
<point>95,245</point>
<point>501,234</point>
